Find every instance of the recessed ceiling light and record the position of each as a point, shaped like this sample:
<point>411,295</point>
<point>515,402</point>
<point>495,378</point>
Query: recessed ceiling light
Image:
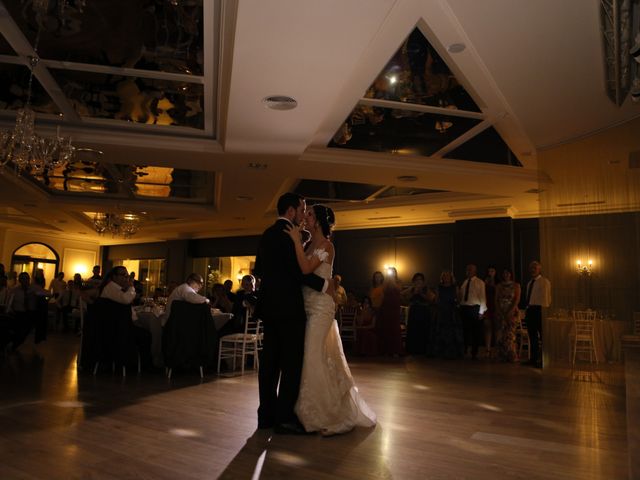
<point>244,197</point>
<point>407,178</point>
<point>456,47</point>
<point>279,102</point>
<point>257,166</point>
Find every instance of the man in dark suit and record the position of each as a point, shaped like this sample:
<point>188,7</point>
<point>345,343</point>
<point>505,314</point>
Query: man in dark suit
<point>281,308</point>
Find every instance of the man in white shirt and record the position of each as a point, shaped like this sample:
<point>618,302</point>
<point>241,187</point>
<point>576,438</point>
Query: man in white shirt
<point>187,292</point>
<point>473,304</point>
<point>117,286</point>
<point>537,297</point>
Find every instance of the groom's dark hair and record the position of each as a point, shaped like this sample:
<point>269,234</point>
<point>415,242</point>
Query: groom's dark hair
<point>287,200</point>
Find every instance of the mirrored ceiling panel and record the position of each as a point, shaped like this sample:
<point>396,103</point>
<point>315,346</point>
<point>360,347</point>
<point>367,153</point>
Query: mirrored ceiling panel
<point>158,35</point>
<point>316,191</point>
<point>5,48</point>
<point>417,74</point>
<point>406,192</point>
<point>127,182</point>
<point>487,147</point>
<point>14,83</point>
<point>140,100</point>
<point>399,131</point>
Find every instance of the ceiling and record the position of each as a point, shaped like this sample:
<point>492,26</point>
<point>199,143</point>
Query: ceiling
<point>534,70</point>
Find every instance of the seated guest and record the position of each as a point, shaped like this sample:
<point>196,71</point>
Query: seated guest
<point>157,293</point>
<point>187,292</point>
<point>228,286</point>
<point>246,298</point>
<point>219,299</point>
<point>117,286</point>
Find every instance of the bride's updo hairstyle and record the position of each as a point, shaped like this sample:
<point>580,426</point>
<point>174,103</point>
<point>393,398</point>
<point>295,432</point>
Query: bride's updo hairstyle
<point>325,217</point>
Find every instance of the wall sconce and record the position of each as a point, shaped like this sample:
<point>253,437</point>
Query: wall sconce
<point>584,269</point>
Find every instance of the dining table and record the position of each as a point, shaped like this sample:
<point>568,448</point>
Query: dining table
<point>152,318</point>
<point>558,339</point>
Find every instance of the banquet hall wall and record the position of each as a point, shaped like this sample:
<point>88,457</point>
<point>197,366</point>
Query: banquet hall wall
<point>503,242</point>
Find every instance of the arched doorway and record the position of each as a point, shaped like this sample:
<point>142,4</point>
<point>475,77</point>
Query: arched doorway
<point>32,256</point>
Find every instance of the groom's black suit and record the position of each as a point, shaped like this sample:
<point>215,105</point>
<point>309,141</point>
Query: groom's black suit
<point>281,308</point>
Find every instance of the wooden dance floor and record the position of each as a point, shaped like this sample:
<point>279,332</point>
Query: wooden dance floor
<point>437,420</point>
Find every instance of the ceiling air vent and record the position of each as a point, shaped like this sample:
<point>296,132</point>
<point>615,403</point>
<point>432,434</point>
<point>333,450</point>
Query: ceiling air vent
<point>279,102</point>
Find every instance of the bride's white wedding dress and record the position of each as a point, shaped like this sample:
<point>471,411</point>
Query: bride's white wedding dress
<point>329,400</point>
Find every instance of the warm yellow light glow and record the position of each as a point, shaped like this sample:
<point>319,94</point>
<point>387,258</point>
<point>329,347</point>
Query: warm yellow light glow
<point>393,79</point>
<point>81,268</point>
<point>40,265</point>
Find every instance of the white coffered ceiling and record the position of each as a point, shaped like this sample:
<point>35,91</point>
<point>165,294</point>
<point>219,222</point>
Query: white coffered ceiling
<point>534,68</point>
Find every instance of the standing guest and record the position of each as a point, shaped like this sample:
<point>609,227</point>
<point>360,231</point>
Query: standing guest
<point>57,287</point>
<point>79,283</point>
<point>23,307</point>
<point>228,286</point>
<point>506,301</point>
<point>390,332</point>
<point>538,296</point>
<point>187,292</point>
<point>418,322</point>
<point>449,340</point>
<point>42,306</point>
<point>491,330</point>
<point>94,281</point>
<point>377,290</point>
<point>69,300</point>
<point>366,339</point>
<point>12,280</point>
<point>472,306</point>
<point>4,294</point>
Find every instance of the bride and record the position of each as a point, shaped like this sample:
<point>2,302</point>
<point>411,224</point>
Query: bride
<point>328,401</point>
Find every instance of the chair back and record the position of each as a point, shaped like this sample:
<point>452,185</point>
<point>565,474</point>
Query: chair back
<point>252,325</point>
<point>189,337</point>
<point>348,317</point>
<point>584,322</point>
<point>636,323</point>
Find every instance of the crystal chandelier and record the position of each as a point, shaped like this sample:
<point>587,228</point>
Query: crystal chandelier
<point>23,147</point>
<point>117,224</point>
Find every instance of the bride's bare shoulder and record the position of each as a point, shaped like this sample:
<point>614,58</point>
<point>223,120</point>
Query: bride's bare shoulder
<point>327,246</point>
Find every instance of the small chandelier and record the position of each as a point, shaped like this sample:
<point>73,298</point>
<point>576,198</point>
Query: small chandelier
<point>584,269</point>
<point>117,224</point>
<point>22,146</point>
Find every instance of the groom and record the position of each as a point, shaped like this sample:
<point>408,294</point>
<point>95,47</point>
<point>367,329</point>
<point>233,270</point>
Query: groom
<point>281,308</point>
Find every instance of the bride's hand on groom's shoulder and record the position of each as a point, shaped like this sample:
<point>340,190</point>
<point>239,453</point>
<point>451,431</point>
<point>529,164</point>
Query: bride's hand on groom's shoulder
<point>293,232</point>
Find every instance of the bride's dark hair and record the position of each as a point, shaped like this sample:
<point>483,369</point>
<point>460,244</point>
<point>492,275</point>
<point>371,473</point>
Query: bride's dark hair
<point>326,218</point>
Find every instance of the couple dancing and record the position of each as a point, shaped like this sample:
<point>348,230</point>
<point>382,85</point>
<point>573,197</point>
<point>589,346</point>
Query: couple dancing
<point>304,380</point>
